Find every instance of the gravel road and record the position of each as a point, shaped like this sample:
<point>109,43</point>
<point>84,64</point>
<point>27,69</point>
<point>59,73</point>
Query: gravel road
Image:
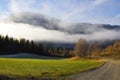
<point>109,71</point>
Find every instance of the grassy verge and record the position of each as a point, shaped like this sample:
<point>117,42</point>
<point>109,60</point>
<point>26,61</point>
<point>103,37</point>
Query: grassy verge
<point>39,69</point>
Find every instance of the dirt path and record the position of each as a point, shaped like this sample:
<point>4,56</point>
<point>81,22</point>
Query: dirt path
<point>109,71</point>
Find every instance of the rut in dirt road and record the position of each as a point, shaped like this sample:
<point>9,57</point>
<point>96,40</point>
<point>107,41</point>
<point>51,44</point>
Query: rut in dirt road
<point>109,71</point>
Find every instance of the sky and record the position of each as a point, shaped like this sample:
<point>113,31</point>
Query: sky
<point>74,11</point>
<point>68,11</point>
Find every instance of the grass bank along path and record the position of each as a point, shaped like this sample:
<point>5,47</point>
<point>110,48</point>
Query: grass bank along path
<point>36,68</point>
<point>109,71</point>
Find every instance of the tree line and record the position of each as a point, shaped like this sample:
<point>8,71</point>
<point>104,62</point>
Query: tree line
<point>85,49</point>
<point>62,52</point>
<point>9,45</point>
<point>112,50</point>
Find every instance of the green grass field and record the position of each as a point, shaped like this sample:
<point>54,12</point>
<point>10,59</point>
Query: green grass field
<point>38,68</point>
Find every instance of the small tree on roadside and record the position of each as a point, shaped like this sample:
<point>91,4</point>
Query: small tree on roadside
<point>116,44</point>
<point>81,48</point>
<point>96,50</point>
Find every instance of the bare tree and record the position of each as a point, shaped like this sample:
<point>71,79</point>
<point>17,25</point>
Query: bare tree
<point>81,48</point>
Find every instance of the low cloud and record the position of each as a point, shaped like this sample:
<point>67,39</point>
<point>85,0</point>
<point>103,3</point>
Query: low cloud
<point>21,30</point>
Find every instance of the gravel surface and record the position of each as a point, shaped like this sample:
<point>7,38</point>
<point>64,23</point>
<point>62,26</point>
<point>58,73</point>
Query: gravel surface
<point>109,71</point>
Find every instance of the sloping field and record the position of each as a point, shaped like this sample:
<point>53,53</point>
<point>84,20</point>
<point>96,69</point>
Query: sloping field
<point>38,68</point>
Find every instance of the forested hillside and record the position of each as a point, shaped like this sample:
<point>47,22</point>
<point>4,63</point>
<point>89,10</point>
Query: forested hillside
<point>10,45</point>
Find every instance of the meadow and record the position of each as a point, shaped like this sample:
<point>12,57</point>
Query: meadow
<point>43,68</point>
